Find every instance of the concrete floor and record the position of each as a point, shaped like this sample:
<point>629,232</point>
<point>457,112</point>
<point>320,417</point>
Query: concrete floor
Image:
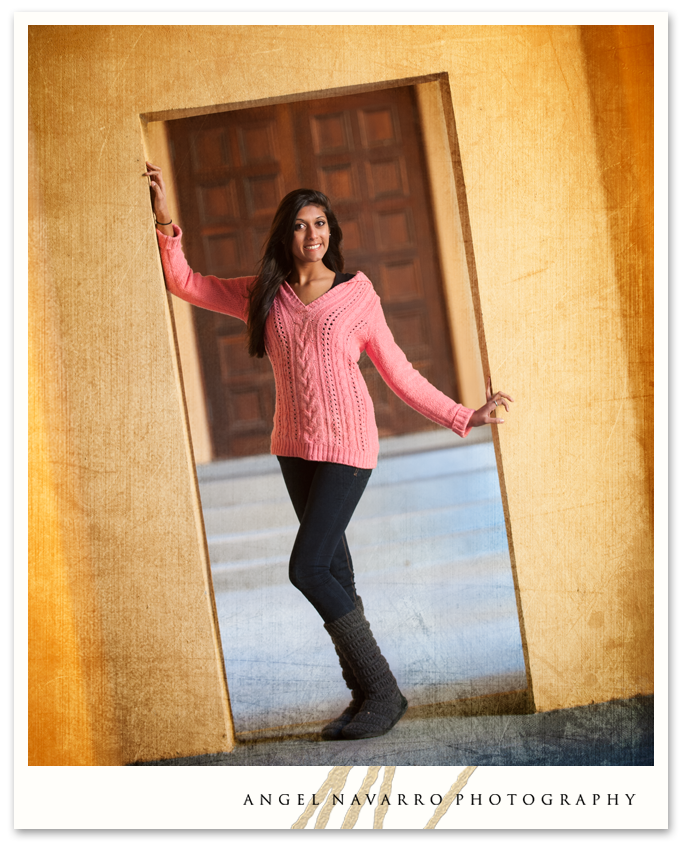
<point>612,733</point>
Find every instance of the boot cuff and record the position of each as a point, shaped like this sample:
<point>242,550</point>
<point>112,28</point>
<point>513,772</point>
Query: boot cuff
<point>346,624</point>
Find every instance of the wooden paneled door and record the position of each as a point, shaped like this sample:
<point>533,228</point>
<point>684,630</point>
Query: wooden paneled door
<point>365,152</point>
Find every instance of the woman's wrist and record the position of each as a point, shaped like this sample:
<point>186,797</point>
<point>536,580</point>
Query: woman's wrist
<point>164,224</point>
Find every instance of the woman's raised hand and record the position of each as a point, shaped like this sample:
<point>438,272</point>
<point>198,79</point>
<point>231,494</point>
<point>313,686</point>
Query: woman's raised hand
<point>483,416</point>
<point>158,197</point>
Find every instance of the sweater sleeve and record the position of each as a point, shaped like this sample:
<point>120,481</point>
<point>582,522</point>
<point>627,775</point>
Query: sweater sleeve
<point>411,387</point>
<point>222,295</point>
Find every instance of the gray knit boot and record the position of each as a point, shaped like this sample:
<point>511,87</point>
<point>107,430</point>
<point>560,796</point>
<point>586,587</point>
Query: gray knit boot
<point>384,703</point>
<point>332,731</point>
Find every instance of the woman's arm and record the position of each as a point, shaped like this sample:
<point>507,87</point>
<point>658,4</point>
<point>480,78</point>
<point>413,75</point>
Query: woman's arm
<point>400,376</point>
<point>164,220</point>
<point>223,295</point>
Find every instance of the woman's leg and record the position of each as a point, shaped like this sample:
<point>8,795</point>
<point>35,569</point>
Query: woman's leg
<point>298,476</point>
<point>324,496</point>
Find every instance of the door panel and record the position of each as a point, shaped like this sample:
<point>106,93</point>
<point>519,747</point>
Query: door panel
<point>364,151</point>
<point>230,173</point>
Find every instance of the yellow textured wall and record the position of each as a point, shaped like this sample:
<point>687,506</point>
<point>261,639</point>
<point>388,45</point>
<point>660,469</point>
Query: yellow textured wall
<point>554,140</point>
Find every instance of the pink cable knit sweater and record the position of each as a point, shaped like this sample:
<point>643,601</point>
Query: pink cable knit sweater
<point>323,408</point>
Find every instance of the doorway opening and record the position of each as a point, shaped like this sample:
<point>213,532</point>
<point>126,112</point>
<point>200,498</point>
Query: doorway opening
<point>429,537</point>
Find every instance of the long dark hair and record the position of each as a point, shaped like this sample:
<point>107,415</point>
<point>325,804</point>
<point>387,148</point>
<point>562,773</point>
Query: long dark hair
<point>277,261</point>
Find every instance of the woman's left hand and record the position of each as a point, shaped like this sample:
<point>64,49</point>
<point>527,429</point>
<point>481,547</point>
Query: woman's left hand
<point>483,416</point>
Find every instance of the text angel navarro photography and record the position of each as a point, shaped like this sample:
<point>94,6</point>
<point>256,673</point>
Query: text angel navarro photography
<point>549,798</point>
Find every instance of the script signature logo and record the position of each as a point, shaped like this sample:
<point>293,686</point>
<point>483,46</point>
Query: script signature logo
<point>336,780</point>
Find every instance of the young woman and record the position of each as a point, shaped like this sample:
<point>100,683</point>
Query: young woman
<point>313,322</point>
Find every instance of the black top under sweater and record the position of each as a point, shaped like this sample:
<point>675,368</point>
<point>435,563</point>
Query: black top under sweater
<point>341,277</point>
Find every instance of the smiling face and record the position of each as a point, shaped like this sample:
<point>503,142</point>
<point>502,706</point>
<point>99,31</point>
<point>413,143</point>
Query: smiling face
<point>310,235</point>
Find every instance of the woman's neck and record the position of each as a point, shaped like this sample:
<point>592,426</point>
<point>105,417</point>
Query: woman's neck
<point>304,274</point>
<point>312,284</point>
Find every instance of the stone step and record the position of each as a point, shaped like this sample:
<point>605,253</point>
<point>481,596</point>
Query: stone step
<point>441,492</point>
<point>386,531</point>
<point>268,487</point>
<point>424,441</point>
<point>414,558</point>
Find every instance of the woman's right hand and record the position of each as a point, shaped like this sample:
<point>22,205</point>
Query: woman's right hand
<point>158,198</point>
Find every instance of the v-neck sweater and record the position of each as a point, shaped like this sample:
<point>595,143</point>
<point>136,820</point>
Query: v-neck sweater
<point>323,409</point>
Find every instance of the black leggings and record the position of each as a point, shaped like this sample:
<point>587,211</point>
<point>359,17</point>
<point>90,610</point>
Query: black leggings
<point>324,497</point>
